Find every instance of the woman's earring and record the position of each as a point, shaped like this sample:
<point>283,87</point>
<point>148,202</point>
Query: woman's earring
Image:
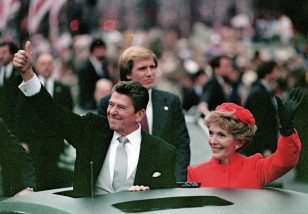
<point>236,147</point>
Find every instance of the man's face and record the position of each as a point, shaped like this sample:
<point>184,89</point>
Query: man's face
<point>5,56</point>
<point>274,75</point>
<point>143,71</point>
<point>99,52</point>
<point>44,65</point>
<point>225,67</point>
<point>121,114</point>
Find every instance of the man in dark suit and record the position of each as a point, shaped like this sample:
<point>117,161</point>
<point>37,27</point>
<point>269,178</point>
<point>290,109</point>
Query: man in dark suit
<point>164,114</point>
<point>44,145</point>
<point>93,69</point>
<point>260,102</point>
<point>213,90</point>
<point>18,174</point>
<point>9,81</point>
<point>96,138</point>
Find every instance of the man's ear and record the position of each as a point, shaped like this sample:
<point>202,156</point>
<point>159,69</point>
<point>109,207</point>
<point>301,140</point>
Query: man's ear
<point>140,114</point>
<point>129,76</point>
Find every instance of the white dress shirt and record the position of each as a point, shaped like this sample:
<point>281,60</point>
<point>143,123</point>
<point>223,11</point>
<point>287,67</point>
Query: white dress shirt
<point>132,148</point>
<point>31,87</point>
<point>97,65</point>
<point>48,83</point>
<point>7,71</point>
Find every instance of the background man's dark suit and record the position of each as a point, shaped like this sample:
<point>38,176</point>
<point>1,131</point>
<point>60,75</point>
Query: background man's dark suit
<point>45,145</point>
<point>9,93</point>
<point>213,93</point>
<point>166,107</point>
<point>17,169</point>
<point>260,103</point>
<point>91,136</point>
<point>87,80</point>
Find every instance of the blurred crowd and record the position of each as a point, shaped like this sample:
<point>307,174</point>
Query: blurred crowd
<point>184,59</point>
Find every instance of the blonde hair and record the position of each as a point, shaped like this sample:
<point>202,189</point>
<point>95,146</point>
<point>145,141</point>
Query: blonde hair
<point>126,60</point>
<point>227,121</point>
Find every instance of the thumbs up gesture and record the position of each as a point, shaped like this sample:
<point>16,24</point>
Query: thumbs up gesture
<point>23,62</point>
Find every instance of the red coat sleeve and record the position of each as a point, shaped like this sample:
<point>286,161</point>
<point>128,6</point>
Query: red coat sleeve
<point>279,163</point>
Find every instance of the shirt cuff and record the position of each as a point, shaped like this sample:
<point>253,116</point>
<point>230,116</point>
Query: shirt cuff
<point>31,87</point>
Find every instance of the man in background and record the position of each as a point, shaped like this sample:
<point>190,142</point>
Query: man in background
<point>9,81</point>
<point>260,102</point>
<point>93,69</point>
<point>214,93</point>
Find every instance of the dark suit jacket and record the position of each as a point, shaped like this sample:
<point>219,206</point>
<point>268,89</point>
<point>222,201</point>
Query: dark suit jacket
<point>168,124</point>
<point>45,145</point>
<point>62,95</point>
<point>9,93</point>
<point>190,98</point>
<point>91,135</point>
<point>87,81</point>
<point>213,93</point>
<point>17,169</point>
<point>260,103</point>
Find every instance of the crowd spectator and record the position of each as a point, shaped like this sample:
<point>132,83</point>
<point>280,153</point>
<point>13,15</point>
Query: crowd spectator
<point>103,88</point>
<point>214,92</point>
<point>192,95</point>
<point>260,101</point>
<point>9,81</point>
<point>93,69</point>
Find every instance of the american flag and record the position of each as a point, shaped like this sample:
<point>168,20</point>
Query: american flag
<point>8,8</point>
<point>37,11</point>
<point>54,16</point>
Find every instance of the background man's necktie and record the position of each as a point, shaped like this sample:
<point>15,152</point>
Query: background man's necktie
<point>120,166</point>
<point>144,123</point>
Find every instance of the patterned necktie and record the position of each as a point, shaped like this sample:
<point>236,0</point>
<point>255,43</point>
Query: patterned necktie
<point>144,123</point>
<point>120,165</point>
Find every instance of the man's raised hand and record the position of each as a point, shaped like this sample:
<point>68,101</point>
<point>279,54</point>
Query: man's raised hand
<point>23,61</point>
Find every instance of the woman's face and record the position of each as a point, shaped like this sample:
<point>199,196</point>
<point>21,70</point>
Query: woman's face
<point>222,143</point>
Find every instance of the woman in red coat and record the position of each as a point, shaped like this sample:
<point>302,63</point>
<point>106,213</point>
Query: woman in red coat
<point>231,128</point>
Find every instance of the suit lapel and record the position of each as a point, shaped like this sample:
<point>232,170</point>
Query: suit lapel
<point>146,163</point>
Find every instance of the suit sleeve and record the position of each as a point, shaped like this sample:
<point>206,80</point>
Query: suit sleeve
<point>68,98</point>
<point>59,119</point>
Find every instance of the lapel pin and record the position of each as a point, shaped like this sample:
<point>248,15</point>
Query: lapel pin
<point>166,108</point>
<point>58,89</point>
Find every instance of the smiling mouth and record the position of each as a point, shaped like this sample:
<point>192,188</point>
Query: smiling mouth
<point>113,118</point>
<point>149,80</point>
<point>216,149</point>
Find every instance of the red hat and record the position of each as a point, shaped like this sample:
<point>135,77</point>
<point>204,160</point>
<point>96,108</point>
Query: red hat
<point>241,113</point>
